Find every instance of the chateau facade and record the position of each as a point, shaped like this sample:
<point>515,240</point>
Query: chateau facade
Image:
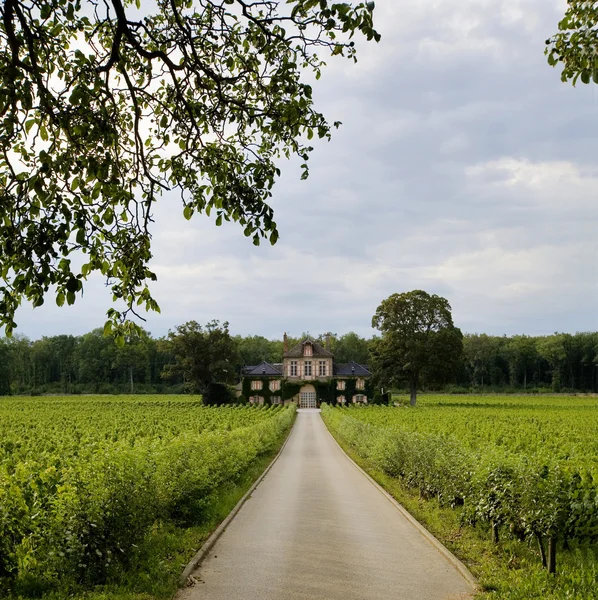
<point>307,375</point>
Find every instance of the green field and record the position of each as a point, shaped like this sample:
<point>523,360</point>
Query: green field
<point>85,480</point>
<point>520,470</point>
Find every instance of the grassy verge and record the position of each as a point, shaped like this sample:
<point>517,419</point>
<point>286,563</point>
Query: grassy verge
<point>510,570</point>
<point>157,564</point>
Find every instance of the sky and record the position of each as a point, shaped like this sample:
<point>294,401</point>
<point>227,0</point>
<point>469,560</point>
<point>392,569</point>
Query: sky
<point>464,167</point>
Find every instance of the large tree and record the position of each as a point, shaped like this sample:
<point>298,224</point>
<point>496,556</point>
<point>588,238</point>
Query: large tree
<point>204,356</point>
<point>105,105</point>
<point>575,45</point>
<point>417,333</point>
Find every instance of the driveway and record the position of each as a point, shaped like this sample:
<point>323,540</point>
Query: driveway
<point>316,528</point>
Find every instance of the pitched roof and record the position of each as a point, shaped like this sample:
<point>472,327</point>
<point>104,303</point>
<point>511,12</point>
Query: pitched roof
<point>263,369</point>
<point>351,368</point>
<point>318,350</point>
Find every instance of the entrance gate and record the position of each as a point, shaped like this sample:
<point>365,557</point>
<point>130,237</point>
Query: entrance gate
<point>308,400</point>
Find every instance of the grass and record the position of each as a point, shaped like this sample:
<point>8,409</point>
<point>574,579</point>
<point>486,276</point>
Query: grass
<point>509,570</point>
<point>156,566</point>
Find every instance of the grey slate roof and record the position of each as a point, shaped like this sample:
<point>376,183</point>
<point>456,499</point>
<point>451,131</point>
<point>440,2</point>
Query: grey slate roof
<point>351,368</point>
<point>264,369</point>
<point>318,350</point>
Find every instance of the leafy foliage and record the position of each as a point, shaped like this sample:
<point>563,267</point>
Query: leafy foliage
<point>105,106</point>
<point>83,481</point>
<point>575,44</point>
<point>417,333</point>
<point>203,356</point>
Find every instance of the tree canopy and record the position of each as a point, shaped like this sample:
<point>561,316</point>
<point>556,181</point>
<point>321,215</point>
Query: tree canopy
<point>575,45</point>
<point>417,334</point>
<point>105,105</point>
<point>204,356</point>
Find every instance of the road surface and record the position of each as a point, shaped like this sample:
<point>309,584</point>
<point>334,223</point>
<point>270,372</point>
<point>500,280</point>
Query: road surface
<point>316,529</point>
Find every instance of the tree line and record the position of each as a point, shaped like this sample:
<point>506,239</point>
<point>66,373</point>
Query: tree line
<point>188,359</point>
<point>193,357</point>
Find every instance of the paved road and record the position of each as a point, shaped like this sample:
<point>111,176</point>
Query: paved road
<point>315,528</point>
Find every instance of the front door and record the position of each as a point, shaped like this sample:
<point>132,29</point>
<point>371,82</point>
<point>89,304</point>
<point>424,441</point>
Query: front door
<point>307,400</point>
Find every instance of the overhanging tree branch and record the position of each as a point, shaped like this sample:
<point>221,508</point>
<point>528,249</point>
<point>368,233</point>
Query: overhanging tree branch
<point>103,112</point>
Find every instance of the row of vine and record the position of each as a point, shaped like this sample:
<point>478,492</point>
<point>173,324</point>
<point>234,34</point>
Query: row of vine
<point>76,501</point>
<point>520,495</point>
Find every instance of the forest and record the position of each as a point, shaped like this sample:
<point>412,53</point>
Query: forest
<point>93,363</point>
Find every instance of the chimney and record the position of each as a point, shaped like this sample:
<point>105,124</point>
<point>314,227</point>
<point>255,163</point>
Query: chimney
<point>285,343</point>
<point>328,341</point>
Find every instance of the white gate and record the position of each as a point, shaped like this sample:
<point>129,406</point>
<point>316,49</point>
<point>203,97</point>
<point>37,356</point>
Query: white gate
<point>307,400</point>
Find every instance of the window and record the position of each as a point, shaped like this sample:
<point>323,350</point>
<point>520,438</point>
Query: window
<point>293,368</point>
<point>359,398</point>
<point>340,384</point>
<point>274,385</point>
<point>322,369</point>
<point>275,400</point>
<point>340,399</point>
<point>256,384</point>
<point>307,368</point>
<point>308,350</point>
<point>360,385</point>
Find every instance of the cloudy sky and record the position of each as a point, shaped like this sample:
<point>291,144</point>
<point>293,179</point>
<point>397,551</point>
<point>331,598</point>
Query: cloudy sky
<point>464,167</point>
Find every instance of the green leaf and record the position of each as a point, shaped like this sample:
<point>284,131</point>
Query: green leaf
<point>188,211</point>
<point>60,299</point>
<point>29,124</point>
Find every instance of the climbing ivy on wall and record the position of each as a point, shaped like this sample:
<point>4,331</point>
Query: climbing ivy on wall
<point>265,392</point>
<point>325,390</point>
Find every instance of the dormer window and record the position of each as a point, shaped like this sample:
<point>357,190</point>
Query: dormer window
<point>308,350</point>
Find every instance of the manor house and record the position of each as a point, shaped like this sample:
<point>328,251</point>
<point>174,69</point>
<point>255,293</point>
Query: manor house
<point>307,375</point>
